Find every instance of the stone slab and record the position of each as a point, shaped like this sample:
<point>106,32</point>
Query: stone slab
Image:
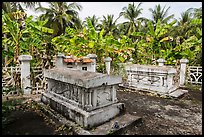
<point>124,122</point>
<point>177,93</point>
<point>150,68</point>
<point>82,78</point>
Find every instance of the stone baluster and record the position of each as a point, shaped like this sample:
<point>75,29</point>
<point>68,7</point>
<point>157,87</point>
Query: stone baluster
<point>114,99</point>
<point>170,80</point>
<point>90,100</point>
<point>161,62</point>
<point>94,98</point>
<point>68,91</point>
<point>83,98</point>
<point>183,65</point>
<point>59,61</point>
<point>71,91</point>
<point>161,81</point>
<point>79,95</point>
<point>25,73</point>
<point>108,63</point>
<point>93,64</point>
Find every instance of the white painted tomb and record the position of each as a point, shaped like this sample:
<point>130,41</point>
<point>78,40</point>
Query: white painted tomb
<point>150,77</point>
<point>86,97</point>
<point>159,79</point>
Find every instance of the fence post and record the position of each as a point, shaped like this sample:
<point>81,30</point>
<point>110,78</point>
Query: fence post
<point>183,65</point>
<point>107,63</point>
<point>59,61</point>
<point>161,62</point>
<point>93,64</point>
<point>25,73</point>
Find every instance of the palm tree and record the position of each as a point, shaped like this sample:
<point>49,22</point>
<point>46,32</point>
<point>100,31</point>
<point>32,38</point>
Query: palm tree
<point>196,12</point>
<point>132,12</point>
<point>95,22</point>
<point>60,15</point>
<point>183,26</point>
<point>159,13</point>
<point>109,25</point>
<point>185,18</point>
<point>9,7</point>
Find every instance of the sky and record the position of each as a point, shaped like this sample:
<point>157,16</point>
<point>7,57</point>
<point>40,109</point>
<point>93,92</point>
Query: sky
<point>104,8</point>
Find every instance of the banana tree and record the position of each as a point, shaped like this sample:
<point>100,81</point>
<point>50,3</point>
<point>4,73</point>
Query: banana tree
<point>37,40</point>
<point>14,32</point>
<point>24,41</point>
<point>155,41</point>
<point>90,41</point>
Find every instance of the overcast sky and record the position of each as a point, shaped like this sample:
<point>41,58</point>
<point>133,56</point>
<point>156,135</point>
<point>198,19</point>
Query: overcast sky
<point>103,8</point>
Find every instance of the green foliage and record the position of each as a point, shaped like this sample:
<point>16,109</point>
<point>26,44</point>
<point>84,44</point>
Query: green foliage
<point>143,40</point>
<point>90,41</point>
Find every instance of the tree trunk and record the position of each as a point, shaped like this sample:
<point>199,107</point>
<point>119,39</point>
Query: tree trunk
<point>16,54</point>
<point>6,49</point>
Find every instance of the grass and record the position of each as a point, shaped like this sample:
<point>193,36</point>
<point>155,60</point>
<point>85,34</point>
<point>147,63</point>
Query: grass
<point>194,87</point>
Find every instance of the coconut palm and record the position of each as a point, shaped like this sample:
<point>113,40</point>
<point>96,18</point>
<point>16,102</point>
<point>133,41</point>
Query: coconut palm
<point>160,13</point>
<point>183,26</point>
<point>132,12</point>
<point>196,12</point>
<point>109,24</point>
<point>95,22</point>
<point>185,18</point>
<point>60,15</point>
<point>9,7</point>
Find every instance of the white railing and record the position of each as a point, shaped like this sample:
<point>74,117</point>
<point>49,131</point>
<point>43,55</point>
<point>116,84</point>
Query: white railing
<point>9,77</point>
<point>38,82</point>
<point>194,75</point>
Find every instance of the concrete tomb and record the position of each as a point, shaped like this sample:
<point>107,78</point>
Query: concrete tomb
<point>159,79</point>
<point>87,63</point>
<point>156,78</point>
<point>86,97</point>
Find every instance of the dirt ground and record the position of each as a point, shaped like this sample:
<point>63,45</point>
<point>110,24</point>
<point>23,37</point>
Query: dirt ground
<point>160,116</point>
<point>28,119</point>
<point>164,116</point>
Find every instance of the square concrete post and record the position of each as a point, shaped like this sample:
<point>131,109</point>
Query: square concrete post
<point>59,61</point>
<point>93,64</point>
<point>161,62</point>
<point>183,65</point>
<point>25,73</point>
<point>107,63</point>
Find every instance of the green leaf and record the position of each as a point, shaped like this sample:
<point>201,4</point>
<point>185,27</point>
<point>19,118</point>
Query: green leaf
<point>151,28</point>
<point>101,33</point>
<point>121,59</point>
<point>91,44</point>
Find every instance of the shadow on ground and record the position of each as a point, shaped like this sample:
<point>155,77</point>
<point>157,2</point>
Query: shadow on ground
<point>160,116</point>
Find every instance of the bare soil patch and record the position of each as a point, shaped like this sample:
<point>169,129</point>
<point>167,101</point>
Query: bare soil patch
<point>164,116</point>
